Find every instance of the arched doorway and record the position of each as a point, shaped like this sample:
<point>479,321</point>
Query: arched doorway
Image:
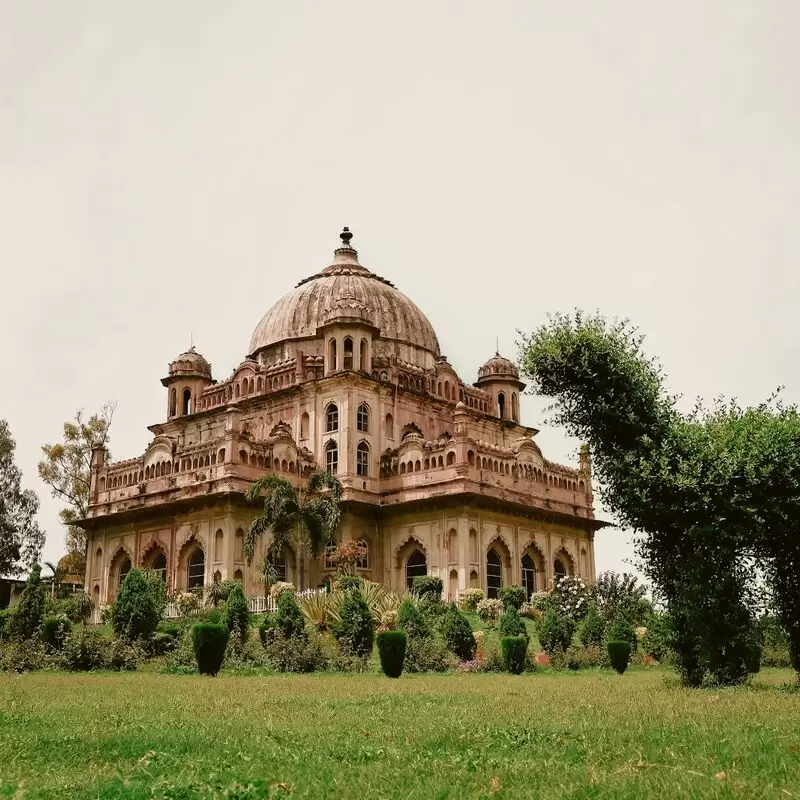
<point>159,565</point>
<point>416,564</point>
<point>494,572</point>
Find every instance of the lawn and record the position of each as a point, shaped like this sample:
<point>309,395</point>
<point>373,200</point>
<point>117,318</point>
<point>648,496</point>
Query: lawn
<point>587,734</point>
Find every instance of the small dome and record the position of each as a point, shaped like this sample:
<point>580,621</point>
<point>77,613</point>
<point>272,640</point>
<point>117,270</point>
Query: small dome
<point>498,367</point>
<point>190,363</point>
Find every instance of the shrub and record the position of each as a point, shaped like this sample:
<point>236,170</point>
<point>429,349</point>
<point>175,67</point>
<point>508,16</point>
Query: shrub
<point>124,656</point>
<point>621,630</point>
<point>24,656</point>
<point>457,633</point>
<point>295,653</point>
<point>158,589</point>
<point>161,643</point>
<point>289,618</point>
<point>172,629</point>
<point>84,650</point>
<point>355,624</point>
<point>27,615</point>
<point>619,653</point>
<point>392,651</point>
<point>427,586</point>
<point>593,629</point>
<point>753,657</point>
<point>78,607</point>
<point>135,613</point>
<point>277,590</point>
<point>584,657</point>
<point>427,654</point>
<point>344,583</point>
<point>181,658</point>
<point>5,618</point>
<point>432,610</point>
<point>528,611</point>
<point>237,615</point>
<point>468,599</point>
<point>212,616</point>
<point>514,650</point>
<point>489,610</point>
<point>245,656</point>
<point>570,597</point>
<point>55,631</point>
<point>412,622</point>
<point>209,643</point>
<point>511,624</point>
<point>555,632</point>
<point>655,643</point>
<point>776,657</point>
<point>512,596</point>
<point>389,620</point>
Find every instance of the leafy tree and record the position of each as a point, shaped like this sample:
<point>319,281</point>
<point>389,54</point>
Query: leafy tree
<point>67,469</point>
<point>311,512</point>
<point>135,614</point>
<point>21,538</point>
<point>675,480</point>
<point>27,616</point>
<point>614,592</point>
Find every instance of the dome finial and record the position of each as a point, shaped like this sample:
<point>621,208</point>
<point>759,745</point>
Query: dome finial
<point>346,236</point>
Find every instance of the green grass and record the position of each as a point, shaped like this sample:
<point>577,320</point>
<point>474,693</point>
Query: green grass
<point>572,735</point>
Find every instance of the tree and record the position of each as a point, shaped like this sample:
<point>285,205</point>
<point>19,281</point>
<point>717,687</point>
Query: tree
<point>614,592</point>
<point>57,575</point>
<point>21,539</point>
<point>311,513</point>
<point>27,616</point>
<point>67,469</point>
<point>675,480</point>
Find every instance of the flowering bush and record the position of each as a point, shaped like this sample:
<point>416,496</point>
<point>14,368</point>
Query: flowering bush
<point>188,603</point>
<point>469,599</point>
<point>277,589</point>
<point>528,610</point>
<point>345,557</point>
<point>571,597</point>
<point>489,610</point>
<point>540,603</point>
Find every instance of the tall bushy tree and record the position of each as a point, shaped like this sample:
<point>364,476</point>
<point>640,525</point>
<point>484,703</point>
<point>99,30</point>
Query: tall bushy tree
<point>21,538</point>
<point>67,469</point>
<point>135,614</point>
<point>674,480</point>
<point>27,615</point>
<point>613,592</point>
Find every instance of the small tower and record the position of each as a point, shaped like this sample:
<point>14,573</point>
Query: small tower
<point>500,378</point>
<point>188,375</point>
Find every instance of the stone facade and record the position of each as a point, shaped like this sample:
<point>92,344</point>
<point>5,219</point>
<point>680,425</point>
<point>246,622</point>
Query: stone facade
<point>345,372</point>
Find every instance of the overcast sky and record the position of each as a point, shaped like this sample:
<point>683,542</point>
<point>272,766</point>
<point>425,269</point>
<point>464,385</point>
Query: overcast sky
<point>170,169</point>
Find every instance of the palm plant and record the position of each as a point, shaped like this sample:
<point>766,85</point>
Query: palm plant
<point>311,512</point>
<point>267,574</point>
<point>56,570</point>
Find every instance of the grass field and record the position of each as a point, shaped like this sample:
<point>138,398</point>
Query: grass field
<point>548,735</point>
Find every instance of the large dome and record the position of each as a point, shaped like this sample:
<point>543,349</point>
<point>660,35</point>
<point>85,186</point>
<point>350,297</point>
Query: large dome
<point>344,289</point>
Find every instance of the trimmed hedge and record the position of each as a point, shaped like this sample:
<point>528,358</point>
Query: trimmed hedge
<point>619,654</point>
<point>392,651</point>
<point>55,631</point>
<point>456,631</point>
<point>427,586</point>
<point>514,650</point>
<point>209,642</point>
<point>512,596</point>
<point>511,623</point>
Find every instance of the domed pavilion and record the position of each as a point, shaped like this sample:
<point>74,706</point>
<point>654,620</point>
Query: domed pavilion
<point>345,373</point>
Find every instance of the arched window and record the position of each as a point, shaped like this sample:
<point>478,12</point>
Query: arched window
<point>221,455</point>
<point>362,562</point>
<point>173,402</point>
<point>196,570</point>
<point>159,566</point>
<point>362,418</point>
<point>278,561</point>
<point>451,458</point>
<point>332,457</point>
<point>388,431</point>
<point>416,564</point>
<point>364,366</point>
<point>559,568</point>
<point>362,460</point>
<point>332,356</point>
<point>494,573</point>
<point>187,401</point>
<point>304,425</point>
<point>330,549</point>
<point>501,405</point>
<point>124,569</point>
<point>348,353</point>
<point>471,457</point>
<point>98,560</point>
<point>452,546</point>
<point>219,543</point>
<point>514,407</point>
<point>528,576</point>
<point>237,576</point>
<point>331,418</point>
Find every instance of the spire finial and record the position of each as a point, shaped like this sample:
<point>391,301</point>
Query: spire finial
<point>346,236</point>
<point>497,346</point>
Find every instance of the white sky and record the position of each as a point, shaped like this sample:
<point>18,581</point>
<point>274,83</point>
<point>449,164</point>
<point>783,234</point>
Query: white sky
<point>168,168</point>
